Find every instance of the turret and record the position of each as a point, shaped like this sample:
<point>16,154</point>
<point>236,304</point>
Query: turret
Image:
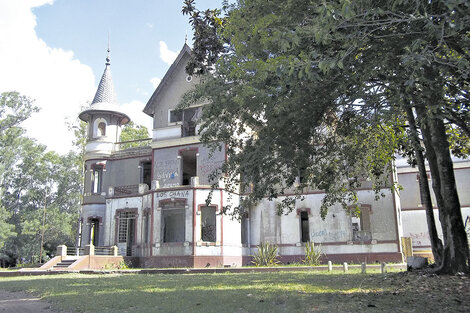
<point>104,118</point>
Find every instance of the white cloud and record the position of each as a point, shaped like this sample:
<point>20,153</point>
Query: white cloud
<point>134,110</point>
<point>58,81</point>
<point>166,54</point>
<point>155,82</point>
<point>149,25</point>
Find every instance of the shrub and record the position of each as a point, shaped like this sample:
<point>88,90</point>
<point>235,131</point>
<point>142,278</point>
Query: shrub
<point>266,255</point>
<point>113,266</point>
<point>312,254</point>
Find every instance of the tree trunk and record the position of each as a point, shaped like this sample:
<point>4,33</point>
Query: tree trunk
<point>456,252</point>
<point>436,243</point>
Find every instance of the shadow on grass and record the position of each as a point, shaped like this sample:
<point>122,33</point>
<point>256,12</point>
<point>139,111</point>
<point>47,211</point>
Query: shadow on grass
<point>250,292</point>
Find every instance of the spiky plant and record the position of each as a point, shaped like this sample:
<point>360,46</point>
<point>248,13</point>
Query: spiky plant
<point>313,254</point>
<point>266,255</point>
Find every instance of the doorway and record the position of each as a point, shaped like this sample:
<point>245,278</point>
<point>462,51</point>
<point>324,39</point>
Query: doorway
<point>126,232</point>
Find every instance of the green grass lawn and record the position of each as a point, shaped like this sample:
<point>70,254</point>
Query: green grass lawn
<point>299,291</point>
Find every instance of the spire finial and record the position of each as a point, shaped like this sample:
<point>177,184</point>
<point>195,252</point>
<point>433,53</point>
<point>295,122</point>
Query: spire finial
<point>186,38</point>
<point>107,57</point>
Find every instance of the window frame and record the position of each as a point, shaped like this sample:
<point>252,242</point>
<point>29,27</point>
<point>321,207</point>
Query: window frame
<point>214,231</point>
<point>97,189</point>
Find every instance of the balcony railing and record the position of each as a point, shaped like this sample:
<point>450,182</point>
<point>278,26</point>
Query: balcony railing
<point>90,249</point>
<point>129,190</point>
<point>176,131</point>
<point>122,145</point>
<point>126,190</point>
<point>74,251</point>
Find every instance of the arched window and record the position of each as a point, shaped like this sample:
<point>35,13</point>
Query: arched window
<point>101,131</point>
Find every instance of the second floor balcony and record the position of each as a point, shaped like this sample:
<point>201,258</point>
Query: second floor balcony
<point>179,130</point>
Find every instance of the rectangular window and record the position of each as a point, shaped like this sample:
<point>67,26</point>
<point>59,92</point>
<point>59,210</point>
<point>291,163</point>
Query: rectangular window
<point>96,179</point>
<point>304,226</point>
<point>146,173</point>
<point>361,225</point>
<point>175,116</point>
<point>190,118</point>
<point>187,117</point>
<point>208,224</point>
<point>173,222</point>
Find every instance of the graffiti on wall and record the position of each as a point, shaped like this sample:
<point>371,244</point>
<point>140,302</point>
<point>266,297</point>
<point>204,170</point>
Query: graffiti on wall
<point>167,170</point>
<point>174,194</point>
<point>329,235</point>
<point>420,239</point>
<point>208,166</point>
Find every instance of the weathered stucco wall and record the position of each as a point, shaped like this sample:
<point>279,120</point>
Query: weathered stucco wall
<point>168,164</point>
<point>413,213</point>
<point>169,97</point>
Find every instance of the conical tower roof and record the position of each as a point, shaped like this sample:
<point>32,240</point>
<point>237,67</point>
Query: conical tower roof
<point>105,98</point>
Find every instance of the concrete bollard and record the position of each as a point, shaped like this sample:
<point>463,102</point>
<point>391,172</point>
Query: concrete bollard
<point>363,267</point>
<point>62,250</point>
<point>345,267</point>
<point>330,266</point>
<point>383,267</point>
<point>89,250</point>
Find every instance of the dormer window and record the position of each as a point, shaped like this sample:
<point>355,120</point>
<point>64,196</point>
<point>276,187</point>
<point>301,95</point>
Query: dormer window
<point>101,131</point>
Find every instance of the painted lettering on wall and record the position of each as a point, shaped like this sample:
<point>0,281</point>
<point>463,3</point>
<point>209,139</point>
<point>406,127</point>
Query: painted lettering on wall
<point>208,166</point>
<point>326,235</point>
<point>167,169</point>
<point>174,194</point>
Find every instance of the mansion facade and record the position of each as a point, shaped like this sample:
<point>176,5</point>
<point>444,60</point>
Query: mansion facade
<point>151,201</point>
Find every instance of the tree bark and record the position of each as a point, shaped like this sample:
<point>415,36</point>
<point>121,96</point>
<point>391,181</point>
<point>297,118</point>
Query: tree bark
<point>456,252</point>
<point>436,243</point>
<point>455,256</point>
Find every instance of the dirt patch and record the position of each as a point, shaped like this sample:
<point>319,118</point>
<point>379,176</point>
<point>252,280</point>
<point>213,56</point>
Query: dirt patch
<point>14,302</point>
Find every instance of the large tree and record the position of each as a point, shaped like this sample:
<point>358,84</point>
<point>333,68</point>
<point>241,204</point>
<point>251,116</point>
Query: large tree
<point>133,135</point>
<point>323,86</point>
<point>40,190</point>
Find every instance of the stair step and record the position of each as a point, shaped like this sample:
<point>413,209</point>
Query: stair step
<point>64,264</point>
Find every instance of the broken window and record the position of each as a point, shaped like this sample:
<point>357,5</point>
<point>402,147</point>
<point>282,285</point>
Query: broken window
<point>175,116</point>
<point>101,131</point>
<point>94,231</point>
<point>189,166</point>
<point>188,117</point>
<point>146,173</point>
<point>208,223</point>
<point>173,221</point>
<point>126,230</point>
<point>304,231</point>
<point>361,225</point>
<point>96,179</point>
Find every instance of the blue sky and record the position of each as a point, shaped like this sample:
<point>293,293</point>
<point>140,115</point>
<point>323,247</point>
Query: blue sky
<point>54,51</point>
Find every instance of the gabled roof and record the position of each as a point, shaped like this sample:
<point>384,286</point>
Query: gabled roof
<point>149,109</point>
<point>105,98</point>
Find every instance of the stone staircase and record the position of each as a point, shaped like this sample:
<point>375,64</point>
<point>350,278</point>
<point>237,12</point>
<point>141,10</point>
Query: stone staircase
<point>64,264</point>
